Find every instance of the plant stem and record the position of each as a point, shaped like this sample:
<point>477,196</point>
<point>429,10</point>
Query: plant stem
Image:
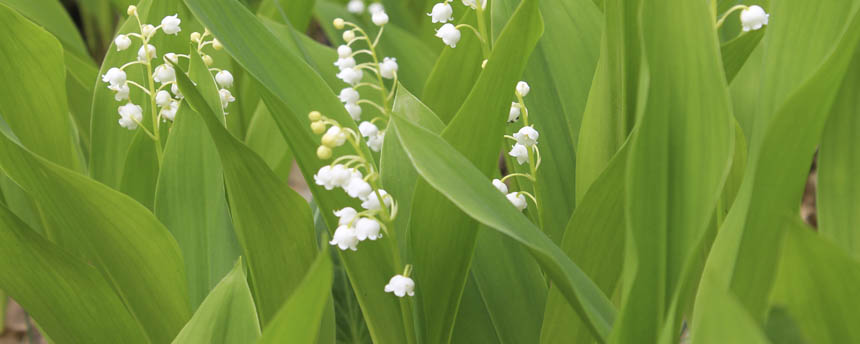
<point>482,28</point>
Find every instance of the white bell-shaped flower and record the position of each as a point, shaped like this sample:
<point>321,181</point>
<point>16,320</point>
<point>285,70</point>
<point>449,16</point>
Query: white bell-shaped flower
<point>520,152</point>
<point>169,111</point>
<point>122,42</point>
<point>348,36</point>
<point>500,185</point>
<point>753,18</point>
<point>351,76</point>
<point>354,111</point>
<point>375,7</point>
<point>324,177</point>
<point>380,18</point>
<point>345,216</point>
<point>355,6</point>
<point>372,202</point>
<point>345,63</point>
<point>149,53</point>
<point>514,115</point>
<point>527,136</point>
<point>115,76</point>
<point>349,95</point>
<point>374,142</point>
<point>358,188</point>
<point>170,24</point>
<point>388,67</point>
<point>401,286</point>
<point>147,30</point>
<point>367,129</point>
<point>226,97</point>
<point>130,115</point>
<point>175,90</point>
<point>164,74</point>
<point>162,98</point>
<point>474,4</point>
<point>366,228</point>
<point>517,199</point>
<point>344,51</point>
<point>224,79</point>
<point>122,91</point>
<point>441,13</point>
<point>334,137</point>
<point>523,88</point>
<point>345,238</point>
<point>172,57</point>
<point>449,34</point>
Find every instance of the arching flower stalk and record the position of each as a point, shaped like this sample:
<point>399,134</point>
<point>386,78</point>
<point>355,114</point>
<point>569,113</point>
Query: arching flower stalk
<point>752,17</point>
<point>525,150</point>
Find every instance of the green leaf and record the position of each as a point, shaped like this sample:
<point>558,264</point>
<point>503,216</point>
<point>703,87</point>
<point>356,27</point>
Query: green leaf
<point>815,285</point>
<point>462,183</point>
<point>736,52</point>
<point>140,174</point>
<point>227,315</point>
<point>298,321</point>
<point>441,237</point>
<point>35,107</point>
<point>51,15</point>
<point>68,297</point>
<point>259,203</point>
<point>297,12</point>
<point>726,320</point>
<point>473,319</point>
<point>680,157</point>
<point>291,89</point>
<point>265,139</point>
<point>838,167</point>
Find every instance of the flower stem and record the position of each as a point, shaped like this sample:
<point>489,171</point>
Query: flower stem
<point>482,28</point>
<point>726,15</point>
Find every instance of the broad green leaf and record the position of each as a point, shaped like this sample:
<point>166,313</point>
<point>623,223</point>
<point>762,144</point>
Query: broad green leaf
<point>190,201</point>
<point>227,315</point>
<point>297,12</point>
<point>33,94</point>
<point>273,223</point>
<point>726,320</point>
<point>291,89</point>
<point>120,237</point>
<point>265,139</point>
<point>815,285</point>
<point>67,296</point>
<point>839,165</point>
<point>441,237</point>
<point>298,321</point>
<point>473,319</point>
<point>736,52</point>
<point>449,171</point>
<point>140,174</point>
<point>594,240</point>
<point>51,15</point>
<point>680,157</point>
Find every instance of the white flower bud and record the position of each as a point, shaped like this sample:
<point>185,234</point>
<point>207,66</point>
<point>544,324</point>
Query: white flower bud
<point>753,18</point>
<point>449,35</point>
<point>338,23</point>
<point>375,8</point>
<point>147,30</point>
<point>401,286</point>
<point>216,44</point>
<point>355,6</point>
<point>366,228</point>
<point>130,114</point>
<point>172,57</point>
<point>334,137</point>
<point>523,88</point>
<point>344,51</point>
<point>520,152</point>
<point>500,185</point>
<point>170,24</point>
<point>380,18</point>
<point>354,110</point>
<point>345,216</point>
<point>367,129</point>
<point>162,98</point>
<point>349,95</point>
<point>226,97</point>
<point>164,73</point>
<point>351,76</point>
<point>115,76</point>
<point>207,60</point>
<point>514,115</point>
<point>122,42</point>
<point>474,4</point>
<point>345,238</point>
<point>132,9</point>
<point>195,37</point>
<point>143,55</point>
<point>169,111</point>
<point>348,36</point>
<point>441,13</point>
<point>372,202</point>
<point>388,67</point>
<point>518,200</point>
<point>224,79</point>
<point>527,136</point>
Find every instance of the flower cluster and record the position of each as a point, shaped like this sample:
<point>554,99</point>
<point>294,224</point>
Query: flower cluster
<point>443,13</point>
<point>164,103</point>
<point>525,150</point>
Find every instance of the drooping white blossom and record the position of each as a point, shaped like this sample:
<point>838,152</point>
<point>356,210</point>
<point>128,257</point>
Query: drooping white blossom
<point>474,4</point>
<point>346,216</point>
<point>366,228</point>
<point>149,53</point>
<point>334,137</point>
<point>344,51</point>
<point>388,67</point>
<point>520,152</point>
<point>175,90</point>
<point>514,115</point>
<point>344,63</point>
<point>348,36</point>
<point>367,129</point>
<point>164,74</point>
<point>351,76</point>
<point>375,7</point>
<point>349,95</point>
<point>170,24</point>
<point>332,176</point>
<point>130,115</point>
<point>169,111</point>
<point>527,136</point>
<point>374,142</point>
<point>162,98</point>
<point>122,91</point>
<point>500,185</point>
<point>122,42</point>
<point>372,202</point>
<point>449,34</point>
<point>355,6</point>
<point>115,76</point>
<point>224,79</point>
<point>147,30</point>
<point>354,110</point>
<point>226,97</point>
<point>379,18</point>
<point>358,188</point>
<point>172,57</point>
<point>441,13</point>
<point>753,18</point>
<point>517,199</point>
<point>401,286</point>
<point>523,88</point>
<point>345,238</point>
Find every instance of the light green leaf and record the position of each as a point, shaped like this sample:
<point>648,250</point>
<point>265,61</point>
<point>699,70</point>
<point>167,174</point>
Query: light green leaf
<point>726,320</point>
<point>736,52</point>
<point>51,15</point>
<point>298,12</point>
<point>35,107</point>
<point>227,315</point>
<point>298,321</point>
<point>120,237</point>
<point>265,139</point>
<point>450,172</point>
<point>473,319</point>
<point>259,203</point>
<point>68,297</point>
